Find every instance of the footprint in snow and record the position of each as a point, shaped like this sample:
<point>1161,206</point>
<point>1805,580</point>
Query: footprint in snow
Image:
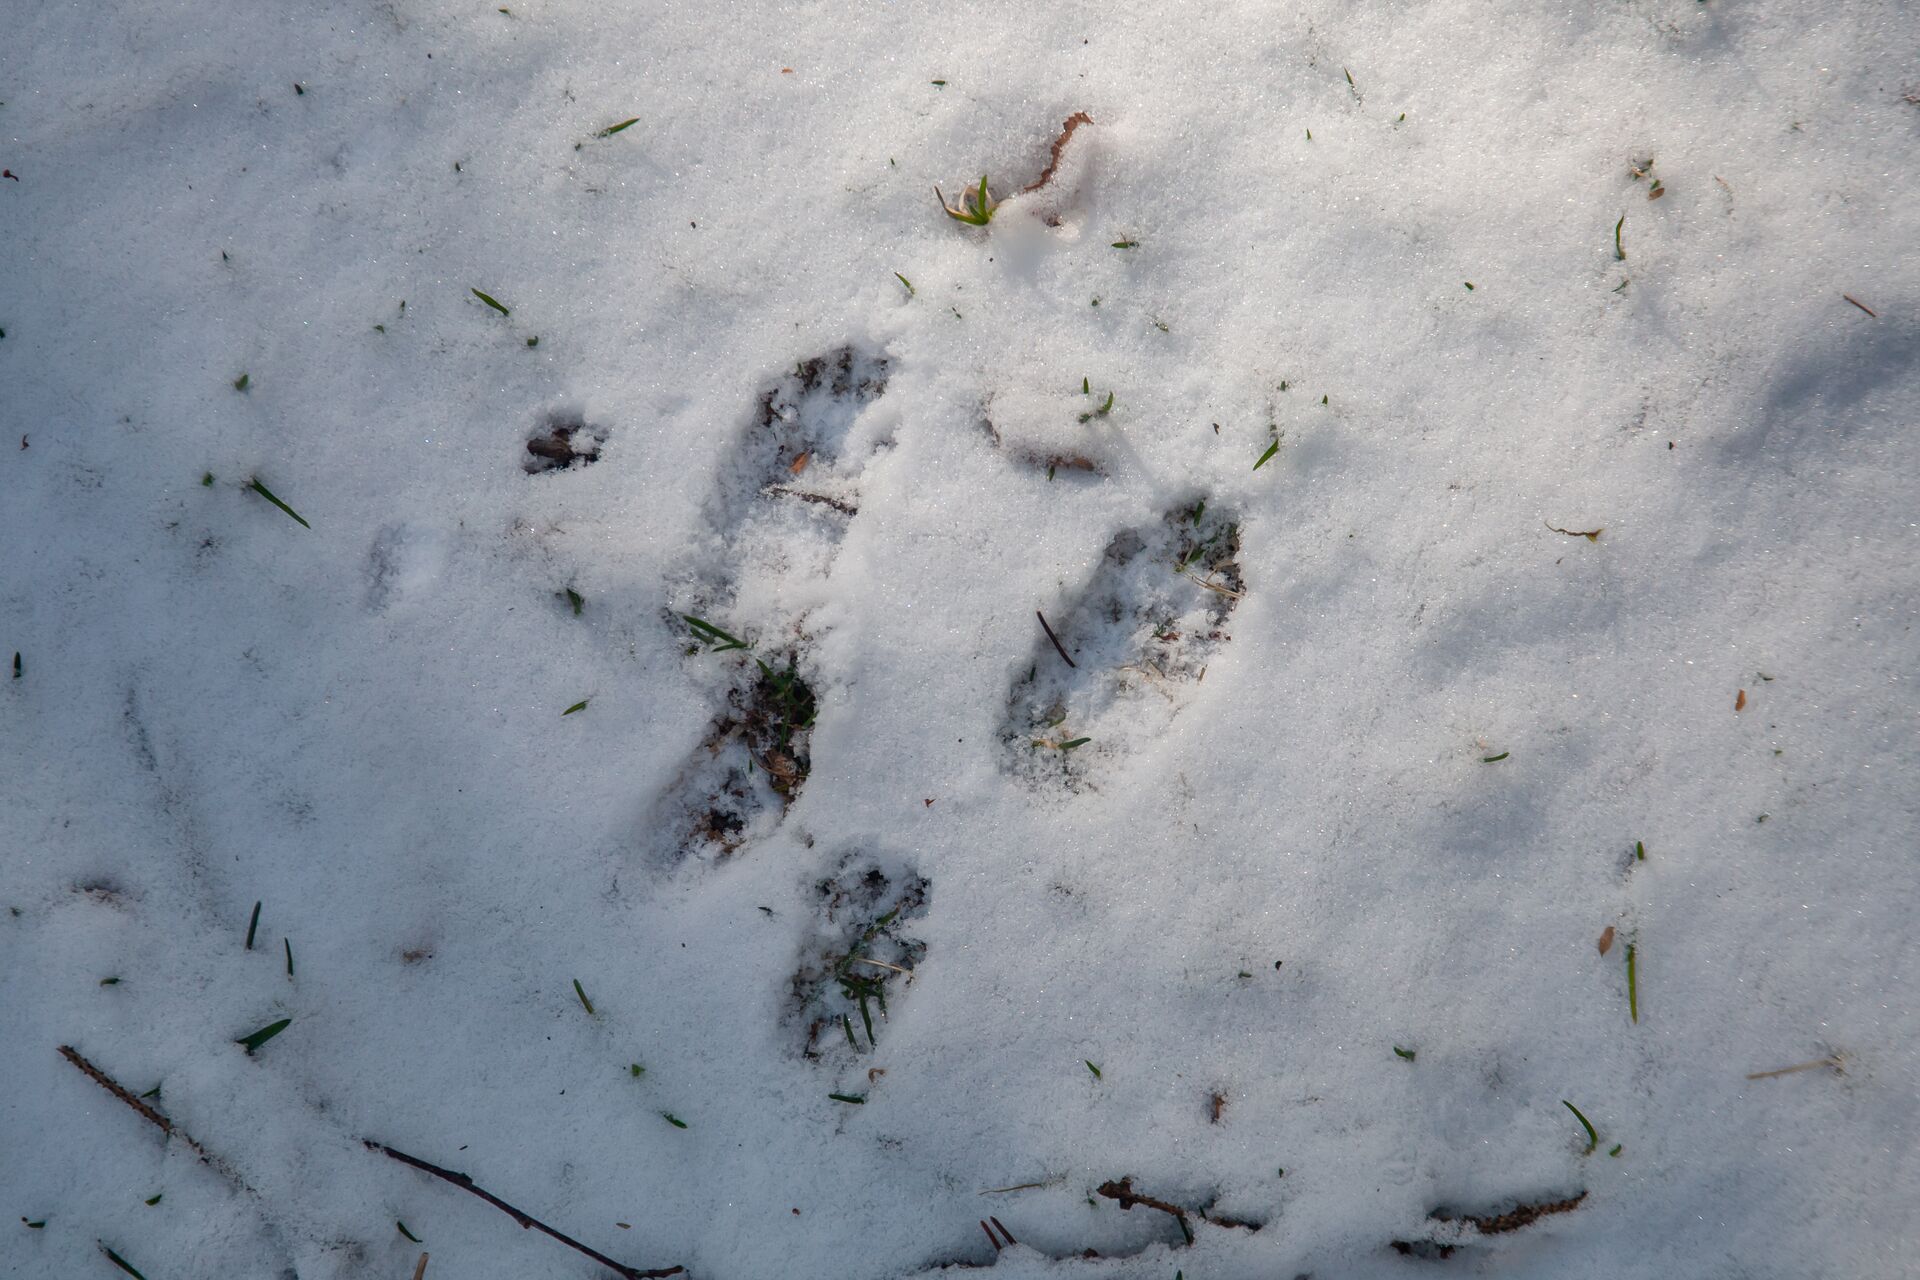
<point>787,493</point>
<point>1133,647</point>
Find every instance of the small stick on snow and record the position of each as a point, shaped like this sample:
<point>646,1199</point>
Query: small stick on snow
<point>466,1183</point>
<point>154,1117</point>
<point>1003,1229</point>
<point>1863,306</point>
<point>1831,1060</point>
<point>882,964</point>
<point>420,1267</point>
<point>1057,646</point>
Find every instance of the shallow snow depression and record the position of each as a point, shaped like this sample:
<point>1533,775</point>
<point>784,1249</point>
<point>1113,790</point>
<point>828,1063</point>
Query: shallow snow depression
<point>524,544</point>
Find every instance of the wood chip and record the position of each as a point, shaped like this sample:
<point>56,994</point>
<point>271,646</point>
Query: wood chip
<point>1740,701</point>
<point>1606,940</point>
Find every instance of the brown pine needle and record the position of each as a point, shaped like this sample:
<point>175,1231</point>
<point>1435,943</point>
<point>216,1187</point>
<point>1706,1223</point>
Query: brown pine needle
<point>1863,306</point>
<point>1831,1060</point>
<point>420,1267</point>
<point>1057,646</point>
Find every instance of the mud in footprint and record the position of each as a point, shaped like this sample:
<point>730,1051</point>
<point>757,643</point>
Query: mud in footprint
<point>787,493</point>
<point>860,953</point>
<point>1132,649</point>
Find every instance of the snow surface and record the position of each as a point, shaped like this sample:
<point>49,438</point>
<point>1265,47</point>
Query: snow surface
<point>1258,881</point>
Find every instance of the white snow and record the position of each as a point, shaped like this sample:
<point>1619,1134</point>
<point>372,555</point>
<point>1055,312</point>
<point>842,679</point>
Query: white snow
<point>1392,804</point>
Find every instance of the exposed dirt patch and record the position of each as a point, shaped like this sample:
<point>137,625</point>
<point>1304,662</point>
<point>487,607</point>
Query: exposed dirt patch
<point>562,444</point>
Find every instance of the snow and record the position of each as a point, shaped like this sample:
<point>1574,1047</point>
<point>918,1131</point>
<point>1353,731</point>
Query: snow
<point>1382,792</point>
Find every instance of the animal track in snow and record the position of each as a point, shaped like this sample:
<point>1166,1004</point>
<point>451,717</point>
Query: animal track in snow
<point>787,493</point>
<point>1139,637</point>
<point>860,952</point>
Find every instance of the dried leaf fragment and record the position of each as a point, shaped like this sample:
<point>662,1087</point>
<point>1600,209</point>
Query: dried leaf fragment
<point>1606,940</point>
<point>1740,701</point>
<point>1067,128</point>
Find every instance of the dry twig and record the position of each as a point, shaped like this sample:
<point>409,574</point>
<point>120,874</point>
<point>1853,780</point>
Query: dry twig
<point>466,1183</point>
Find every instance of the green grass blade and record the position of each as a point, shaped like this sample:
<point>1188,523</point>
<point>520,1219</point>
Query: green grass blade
<point>673,1119</point>
<point>264,1034</point>
<point>491,301</point>
<point>252,925</point>
<point>1408,1054</point>
<point>120,1262</point>
<point>1267,457</point>
<point>578,706</point>
<point>582,993</point>
<point>408,1234</point>
<point>610,130</point>
<point>1092,1068</point>
<point>267,493</point>
<point>1593,1139</point>
<point>1633,987</point>
<point>720,640</point>
<point>857,1099</point>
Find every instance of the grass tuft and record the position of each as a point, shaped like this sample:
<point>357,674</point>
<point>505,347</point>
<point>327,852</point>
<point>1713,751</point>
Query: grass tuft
<point>975,209</point>
<point>242,382</point>
<point>575,599</point>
